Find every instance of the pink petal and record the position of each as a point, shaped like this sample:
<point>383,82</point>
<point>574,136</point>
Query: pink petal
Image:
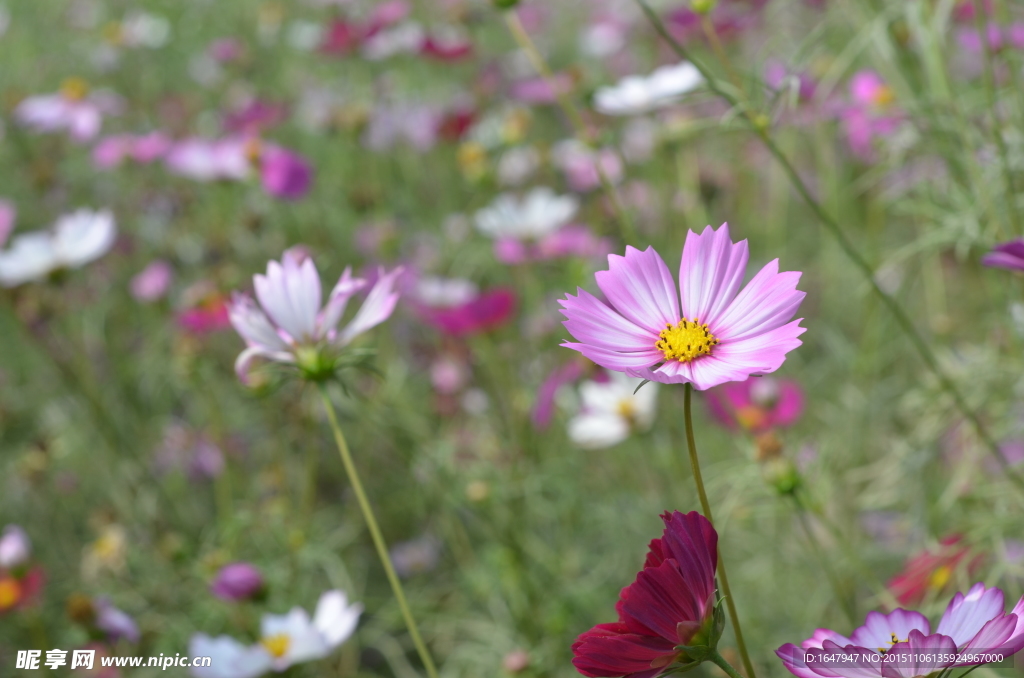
<point>592,322</point>
<point>768,301</point>
<point>613,360</point>
<point>879,628</point>
<point>640,287</point>
<point>710,272</point>
<point>966,615</point>
<point>378,307</point>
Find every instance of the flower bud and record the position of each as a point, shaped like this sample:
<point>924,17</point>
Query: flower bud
<point>703,6</point>
<point>237,581</point>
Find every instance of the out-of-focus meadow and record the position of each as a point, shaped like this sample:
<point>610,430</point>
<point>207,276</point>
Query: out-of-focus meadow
<point>516,488</point>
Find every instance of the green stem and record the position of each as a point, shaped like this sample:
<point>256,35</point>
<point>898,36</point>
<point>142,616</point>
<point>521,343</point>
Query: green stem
<point>760,127</point>
<point>706,506</point>
<point>993,100</point>
<point>522,39</point>
<point>720,662</point>
<point>819,555</point>
<point>375,533</point>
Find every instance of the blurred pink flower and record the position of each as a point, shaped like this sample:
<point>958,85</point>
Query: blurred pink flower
<point>870,115</point>
<point>718,333</point>
<point>285,174</point>
<point>226,50</point>
<point>544,407</point>
<point>153,281</point>
<point>111,151</point>
<point>417,125</point>
<point>757,404</point>
<point>730,18</point>
<point>344,37</point>
<point>288,324</point>
<point>191,452</point>
<point>541,90</point>
<point>114,623</point>
<point>210,159</point>
<point>931,570</point>
<point>998,37</point>
<point>15,547</point>
<point>484,312</point>
<point>8,213</point>
<point>72,109</point>
<point>574,240</point>
<point>237,581</point>
<point>254,117</point>
<point>448,374</point>
<point>211,315</point>
<point>1006,255</point>
<point>447,44</point>
<point>580,165</point>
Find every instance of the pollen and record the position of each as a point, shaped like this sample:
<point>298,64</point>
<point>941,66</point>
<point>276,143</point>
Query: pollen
<point>940,577</point>
<point>276,645</point>
<point>74,89</point>
<point>686,340</point>
<point>10,593</point>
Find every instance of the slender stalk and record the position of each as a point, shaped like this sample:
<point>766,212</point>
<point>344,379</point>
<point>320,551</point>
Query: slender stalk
<point>706,506</point>
<point>579,127</point>
<point>375,533</point>
<point>819,555</point>
<point>760,125</point>
<point>720,662</point>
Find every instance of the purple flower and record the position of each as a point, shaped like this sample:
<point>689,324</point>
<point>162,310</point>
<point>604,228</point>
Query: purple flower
<point>288,324</point>
<point>1006,255</point>
<point>237,581</point>
<point>285,174</point>
<point>115,623</point>
<point>757,405</point>
<point>73,109</point>
<point>708,333</point>
<point>975,623</point>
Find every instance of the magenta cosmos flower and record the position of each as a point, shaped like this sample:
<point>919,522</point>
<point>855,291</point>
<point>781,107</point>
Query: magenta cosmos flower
<point>289,326</point>
<point>975,624</point>
<point>757,405</point>
<point>671,603</point>
<point>709,333</point>
<point>1006,255</point>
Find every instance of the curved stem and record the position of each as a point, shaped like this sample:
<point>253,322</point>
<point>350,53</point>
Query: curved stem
<point>723,577</point>
<point>522,39</point>
<point>759,124</point>
<point>375,533</point>
<point>720,662</point>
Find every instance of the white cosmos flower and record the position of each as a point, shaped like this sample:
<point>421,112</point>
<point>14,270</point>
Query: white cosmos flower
<point>288,322</point>
<point>639,94</point>
<point>75,240</point>
<point>610,411</point>
<point>439,292</point>
<point>285,640</point>
<point>539,213</point>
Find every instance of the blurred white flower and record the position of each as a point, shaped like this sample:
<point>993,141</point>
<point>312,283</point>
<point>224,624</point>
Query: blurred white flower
<point>15,547</point>
<point>603,38</point>
<point>639,94</point>
<point>444,292</point>
<point>285,640</point>
<point>405,38</point>
<point>610,411</point>
<point>75,240</point>
<point>305,36</point>
<point>142,29</point>
<point>517,165</point>
<point>72,108</point>
<point>539,213</point>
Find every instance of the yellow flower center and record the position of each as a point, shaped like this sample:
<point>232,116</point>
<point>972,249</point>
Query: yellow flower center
<point>626,409</point>
<point>10,593</point>
<point>686,340</point>
<point>883,96</point>
<point>894,639</point>
<point>940,577</point>
<point>276,645</point>
<point>74,89</point>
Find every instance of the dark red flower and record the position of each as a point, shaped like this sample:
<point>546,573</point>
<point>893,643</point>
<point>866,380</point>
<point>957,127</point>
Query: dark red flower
<point>671,603</point>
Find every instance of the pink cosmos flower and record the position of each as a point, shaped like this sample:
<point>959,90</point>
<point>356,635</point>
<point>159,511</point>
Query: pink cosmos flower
<point>757,404</point>
<point>285,174</point>
<point>975,623</point>
<point>544,407</point>
<point>580,165</point>
<point>72,109</point>
<point>481,313</point>
<point>237,581</point>
<point>718,333</point>
<point>574,240</point>
<point>113,150</point>
<point>255,116</point>
<point>152,282</point>
<point>931,570</point>
<point>541,90</point>
<point>209,159</point>
<point>671,603</point>
<point>288,324</point>
<point>1006,255</point>
<point>871,114</point>
<point>447,44</point>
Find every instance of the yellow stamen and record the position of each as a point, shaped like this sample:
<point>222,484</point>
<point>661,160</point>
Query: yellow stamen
<point>883,96</point>
<point>276,645</point>
<point>626,409</point>
<point>10,593</point>
<point>895,639</point>
<point>940,577</point>
<point>74,89</point>
<point>686,340</point>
